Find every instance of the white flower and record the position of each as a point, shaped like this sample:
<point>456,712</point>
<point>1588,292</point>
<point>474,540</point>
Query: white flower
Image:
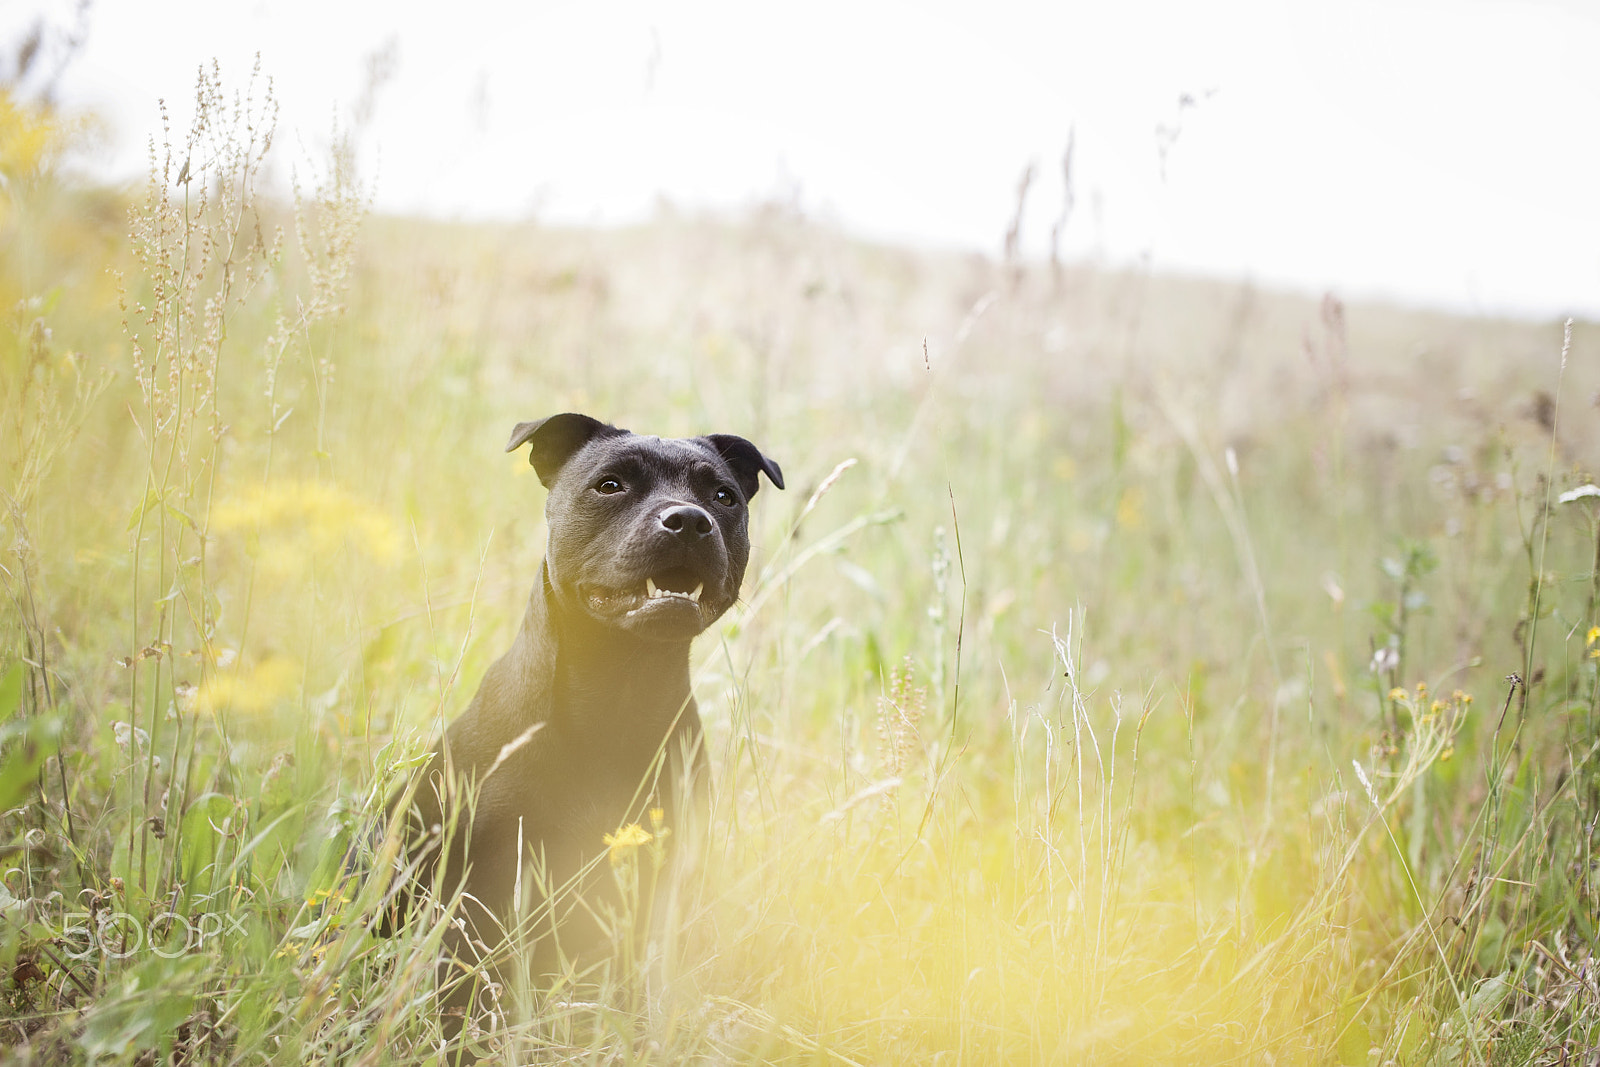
<point>1579,493</point>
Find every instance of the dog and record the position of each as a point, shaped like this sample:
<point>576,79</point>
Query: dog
<point>587,724</point>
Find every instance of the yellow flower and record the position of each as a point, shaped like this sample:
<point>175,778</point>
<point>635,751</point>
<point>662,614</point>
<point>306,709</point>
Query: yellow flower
<point>336,896</point>
<point>1398,694</point>
<point>255,691</point>
<point>1594,635</point>
<point>296,519</point>
<point>626,840</point>
<point>657,817</point>
<point>1130,509</point>
<point>292,949</point>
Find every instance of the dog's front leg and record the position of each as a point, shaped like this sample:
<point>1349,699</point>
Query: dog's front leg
<point>470,979</point>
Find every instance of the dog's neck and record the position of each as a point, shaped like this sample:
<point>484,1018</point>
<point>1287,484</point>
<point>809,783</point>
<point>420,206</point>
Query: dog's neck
<point>636,689</point>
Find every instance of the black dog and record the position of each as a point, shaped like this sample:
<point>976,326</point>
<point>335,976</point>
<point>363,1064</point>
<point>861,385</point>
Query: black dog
<point>587,724</point>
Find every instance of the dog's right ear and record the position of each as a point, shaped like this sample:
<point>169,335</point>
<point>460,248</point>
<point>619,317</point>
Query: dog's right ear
<point>556,439</point>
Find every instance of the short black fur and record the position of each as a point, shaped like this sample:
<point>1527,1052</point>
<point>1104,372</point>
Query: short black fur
<point>587,723</point>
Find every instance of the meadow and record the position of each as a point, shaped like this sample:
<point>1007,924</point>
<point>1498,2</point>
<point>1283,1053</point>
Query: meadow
<point>1137,669</point>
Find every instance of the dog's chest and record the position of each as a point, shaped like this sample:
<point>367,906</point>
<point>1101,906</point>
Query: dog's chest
<point>567,798</point>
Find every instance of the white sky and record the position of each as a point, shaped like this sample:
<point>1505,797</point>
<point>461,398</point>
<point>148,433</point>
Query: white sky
<point>1442,153</point>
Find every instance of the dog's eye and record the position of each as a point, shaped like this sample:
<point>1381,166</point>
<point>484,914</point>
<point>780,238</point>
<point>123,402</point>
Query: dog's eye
<point>725,497</point>
<point>608,486</point>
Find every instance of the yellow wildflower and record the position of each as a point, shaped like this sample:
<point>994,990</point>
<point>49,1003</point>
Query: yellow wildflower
<point>626,840</point>
<point>335,896</point>
<point>1130,509</point>
<point>255,691</point>
<point>1594,635</point>
<point>296,519</point>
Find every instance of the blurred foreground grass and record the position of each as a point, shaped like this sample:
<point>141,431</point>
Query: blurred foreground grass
<point>1123,678</point>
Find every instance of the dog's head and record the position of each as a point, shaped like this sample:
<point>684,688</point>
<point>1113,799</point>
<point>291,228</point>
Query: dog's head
<point>647,534</point>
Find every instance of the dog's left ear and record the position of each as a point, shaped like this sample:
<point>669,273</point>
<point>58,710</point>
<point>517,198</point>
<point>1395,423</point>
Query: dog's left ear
<point>747,462</point>
<point>556,439</point>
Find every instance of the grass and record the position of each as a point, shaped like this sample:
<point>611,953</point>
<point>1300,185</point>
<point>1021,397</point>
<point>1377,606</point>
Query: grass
<point>1123,678</point>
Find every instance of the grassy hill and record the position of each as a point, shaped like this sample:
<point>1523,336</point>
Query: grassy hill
<point>1122,678</point>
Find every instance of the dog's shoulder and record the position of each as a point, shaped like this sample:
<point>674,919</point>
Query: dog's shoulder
<point>512,705</point>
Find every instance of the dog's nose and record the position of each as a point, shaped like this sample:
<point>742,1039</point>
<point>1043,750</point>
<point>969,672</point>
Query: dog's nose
<point>686,522</point>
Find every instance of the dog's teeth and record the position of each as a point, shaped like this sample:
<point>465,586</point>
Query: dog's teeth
<point>652,591</point>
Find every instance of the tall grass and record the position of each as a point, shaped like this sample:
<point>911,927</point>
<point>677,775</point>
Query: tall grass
<point>1123,678</point>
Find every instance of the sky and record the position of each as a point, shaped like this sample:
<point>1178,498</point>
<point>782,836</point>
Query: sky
<point>1435,153</point>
